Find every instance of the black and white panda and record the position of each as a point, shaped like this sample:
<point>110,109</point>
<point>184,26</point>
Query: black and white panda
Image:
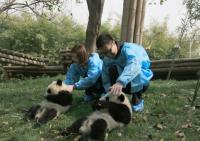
<point>57,100</point>
<point>113,112</point>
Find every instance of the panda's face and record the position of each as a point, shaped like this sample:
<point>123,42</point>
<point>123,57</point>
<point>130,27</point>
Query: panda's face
<point>116,98</point>
<point>120,99</point>
<point>55,87</point>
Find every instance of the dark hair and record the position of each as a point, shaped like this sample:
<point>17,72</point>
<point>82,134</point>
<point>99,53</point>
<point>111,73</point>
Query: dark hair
<point>103,39</point>
<point>81,53</point>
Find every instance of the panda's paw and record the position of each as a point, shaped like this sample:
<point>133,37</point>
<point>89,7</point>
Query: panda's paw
<point>95,105</point>
<point>103,104</point>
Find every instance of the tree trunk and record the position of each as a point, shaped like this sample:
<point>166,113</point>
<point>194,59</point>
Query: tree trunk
<point>142,20</point>
<point>136,38</point>
<point>125,17</point>
<point>131,20</point>
<point>95,8</point>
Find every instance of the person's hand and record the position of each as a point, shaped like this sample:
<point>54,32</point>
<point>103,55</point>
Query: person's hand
<point>116,89</point>
<point>70,88</point>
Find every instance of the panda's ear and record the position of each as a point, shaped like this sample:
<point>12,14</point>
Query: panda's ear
<point>59,82</point>
<point>121,98</point>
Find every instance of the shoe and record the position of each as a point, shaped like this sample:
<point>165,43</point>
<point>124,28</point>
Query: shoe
<point>89,98</point>
<point>139,106</point>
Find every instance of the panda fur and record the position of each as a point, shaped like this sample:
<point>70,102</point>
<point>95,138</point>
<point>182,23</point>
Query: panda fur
<point>111,113</point>
<point>57,101</point>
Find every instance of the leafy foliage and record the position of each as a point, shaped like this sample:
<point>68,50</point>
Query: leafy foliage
<point>39,36</point>
<point>113,30</point>
<point>161,44</point>
<point>159,41</point>
<point>193,8</point>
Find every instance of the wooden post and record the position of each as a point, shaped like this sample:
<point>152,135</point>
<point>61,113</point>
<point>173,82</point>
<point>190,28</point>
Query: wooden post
<point>196,89</point>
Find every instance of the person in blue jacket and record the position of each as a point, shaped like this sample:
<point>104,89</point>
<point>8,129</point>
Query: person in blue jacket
<point>126,68</point>
<point>85,73</point>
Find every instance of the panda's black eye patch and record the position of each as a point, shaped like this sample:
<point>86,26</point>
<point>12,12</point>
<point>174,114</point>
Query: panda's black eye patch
<point>121,98</point>
<point>59,82</point>
<point>49,91</point>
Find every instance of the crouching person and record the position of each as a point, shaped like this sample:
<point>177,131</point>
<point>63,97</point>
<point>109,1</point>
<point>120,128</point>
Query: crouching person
<point>85,73</point>
<point>126,67</point>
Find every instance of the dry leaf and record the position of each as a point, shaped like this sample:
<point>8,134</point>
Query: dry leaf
<point>179,134</point>
<point>119,134</point>
<point>163,95</point>
<point>5,122</point>
<point>198,130</point>
<point>145,118</point>
<point>158,126</point>
<point>187,125</point>
<point>161,139</point>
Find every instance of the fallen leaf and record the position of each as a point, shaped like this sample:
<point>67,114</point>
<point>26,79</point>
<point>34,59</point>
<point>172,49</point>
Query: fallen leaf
<point>198,130</point>
<point>163,95</point>
<point>145,118</point>
<point>158,126</point>
<point>119,134</point>
<point>193,108</point>
<point>5,122</point>
<point>187,125</point>
<point>180,134</point>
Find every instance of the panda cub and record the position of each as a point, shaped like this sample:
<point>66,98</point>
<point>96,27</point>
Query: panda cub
<point>113,112</point>
<point>57,100</point>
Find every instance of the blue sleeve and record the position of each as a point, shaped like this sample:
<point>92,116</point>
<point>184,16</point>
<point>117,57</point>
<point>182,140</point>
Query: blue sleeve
<point>132,68</point>
<point>72,75</point>
<point>105,76</point>
<point>94,71</point>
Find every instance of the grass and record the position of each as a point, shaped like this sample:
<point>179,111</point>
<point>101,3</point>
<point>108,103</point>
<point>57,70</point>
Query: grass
<point>167,115</point>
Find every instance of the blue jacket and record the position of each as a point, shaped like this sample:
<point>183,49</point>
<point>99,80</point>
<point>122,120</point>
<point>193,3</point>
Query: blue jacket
<point>133,65</point>
<point>84,76</point>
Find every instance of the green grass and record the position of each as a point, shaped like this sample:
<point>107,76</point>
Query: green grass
<point>166,111</point>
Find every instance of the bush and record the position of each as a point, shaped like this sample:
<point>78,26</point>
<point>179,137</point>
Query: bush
<point>39,36</point>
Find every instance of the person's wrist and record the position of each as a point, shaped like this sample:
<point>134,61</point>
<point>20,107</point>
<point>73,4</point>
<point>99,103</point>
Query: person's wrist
<point>74,86</point>
<point>120,84</point>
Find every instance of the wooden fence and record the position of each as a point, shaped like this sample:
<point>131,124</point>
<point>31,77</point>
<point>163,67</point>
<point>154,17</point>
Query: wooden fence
<point>184,69</point>
<point>16,58</point>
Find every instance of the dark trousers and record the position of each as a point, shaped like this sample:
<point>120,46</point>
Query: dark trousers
<point>97,88</point>
<point>113,73</point>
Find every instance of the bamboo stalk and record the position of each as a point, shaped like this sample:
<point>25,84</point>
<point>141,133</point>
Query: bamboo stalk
<point>142,20</point>
<point>125,17</point>
<point>131,20</point>
<point>138,21</point>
